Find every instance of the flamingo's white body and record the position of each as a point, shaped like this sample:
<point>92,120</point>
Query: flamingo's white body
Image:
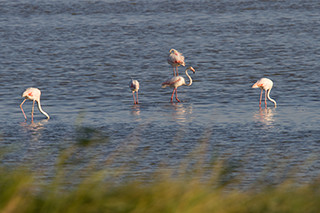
<point>175,59</point>
<point>178,81</point>
<point>34,95</point>
<point>266,85</point>
<point>134,86</point>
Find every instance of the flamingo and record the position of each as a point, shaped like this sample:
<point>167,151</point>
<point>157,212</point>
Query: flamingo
<point>178,81</point>
<point>34,95</point>
<point>134,86</point>
<point>266,85</point>
<point>175,59</point>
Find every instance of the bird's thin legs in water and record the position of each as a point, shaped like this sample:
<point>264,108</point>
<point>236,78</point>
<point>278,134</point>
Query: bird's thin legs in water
<point>260,98</point>
<point>172,94</point>
<point>175,90</point>
<point>175,71</point>
<point>177,96</point>
<point>265,99</point>
<point>137,98</point>
<point>22,109</point>
<point>134,98</point>
<point>32,110</point>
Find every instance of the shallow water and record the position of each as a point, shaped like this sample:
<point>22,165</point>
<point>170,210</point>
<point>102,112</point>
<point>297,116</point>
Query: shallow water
<point>82,54</point>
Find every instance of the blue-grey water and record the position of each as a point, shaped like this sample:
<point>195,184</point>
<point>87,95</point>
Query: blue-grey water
<point>82,54</point>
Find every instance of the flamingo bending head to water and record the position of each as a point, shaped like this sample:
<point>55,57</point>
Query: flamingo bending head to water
<point>178,81</point>
<point>175,59</point>
<point>266,85</point>
<point>134,86</point>
<point>34,95</point>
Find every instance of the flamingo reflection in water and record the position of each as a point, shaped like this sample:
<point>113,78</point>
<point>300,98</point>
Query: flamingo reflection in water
<point>36,129</point>
<point>135,110</point>
<point>265,116</point>
<point>181,113</point>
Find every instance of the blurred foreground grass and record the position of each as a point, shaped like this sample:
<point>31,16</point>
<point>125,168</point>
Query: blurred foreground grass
<point>191,188</point>
<point>19,192</point>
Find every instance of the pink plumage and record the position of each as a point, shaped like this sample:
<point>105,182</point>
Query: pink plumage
<point>34,95</point>
<point>266,85</point>
<point>178,81</point>
<point>175,59</point>
<point>134,86</point>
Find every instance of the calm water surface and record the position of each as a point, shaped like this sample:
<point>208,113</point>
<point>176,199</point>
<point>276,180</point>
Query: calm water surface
<point>82,54</point>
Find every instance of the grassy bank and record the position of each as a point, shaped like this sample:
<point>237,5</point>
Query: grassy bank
<point>21,193</point>
<point>191,188</point>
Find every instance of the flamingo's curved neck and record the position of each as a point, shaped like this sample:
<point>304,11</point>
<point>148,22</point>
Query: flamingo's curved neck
<point>268,95</point>
<point>41,110</point>
<point>190,79</point>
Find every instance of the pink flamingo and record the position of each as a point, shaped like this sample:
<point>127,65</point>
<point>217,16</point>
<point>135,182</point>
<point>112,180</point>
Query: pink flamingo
<point>34,95</point>
<point>175,59</point>
<point>178,81</point>
<point>134,86</point>
<point>266,85</point>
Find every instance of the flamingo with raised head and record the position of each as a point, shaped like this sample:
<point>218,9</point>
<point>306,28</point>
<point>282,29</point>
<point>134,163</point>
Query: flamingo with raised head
<point>178,81</point>
<point>134,86</point>
<point>175,59</point>
<point>34,95</point>
<point>266,85</point>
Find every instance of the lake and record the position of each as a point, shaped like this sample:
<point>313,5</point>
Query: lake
<point>82,55</point>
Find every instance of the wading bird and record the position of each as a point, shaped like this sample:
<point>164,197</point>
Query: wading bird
<point>266,85</point>
<point>175,59</point>
<point>134,86</point>
<point>34,95</point>
<point>178,81</point>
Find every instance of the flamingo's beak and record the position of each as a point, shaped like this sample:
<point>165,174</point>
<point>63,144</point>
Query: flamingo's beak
<point>255,86</point>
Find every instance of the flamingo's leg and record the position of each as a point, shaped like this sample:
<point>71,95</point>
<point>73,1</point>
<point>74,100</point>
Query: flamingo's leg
<point>137,98</point>
<point>177,96</point>
<point>260,98</point>
<point>32,111</point>
<point>134,99</point>
<point>265,98</point>
<point>22,109</point>
<point>172,94</point>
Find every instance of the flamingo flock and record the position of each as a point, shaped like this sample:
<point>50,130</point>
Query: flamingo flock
<point>175,59</point>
